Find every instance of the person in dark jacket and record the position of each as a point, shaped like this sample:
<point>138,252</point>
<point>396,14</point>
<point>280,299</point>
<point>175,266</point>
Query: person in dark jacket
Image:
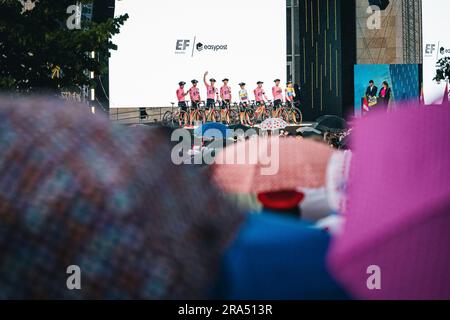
<point>297,98</point>
<point>372,90</point>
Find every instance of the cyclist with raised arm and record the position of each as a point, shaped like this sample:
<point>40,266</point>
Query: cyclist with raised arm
<point>211,92</point>
<point>194,94</point>
<point>225,96</point>
<point>243,104</point>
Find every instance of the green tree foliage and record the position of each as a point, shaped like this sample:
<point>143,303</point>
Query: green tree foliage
<point>34,42</point>
<point>443,69</point>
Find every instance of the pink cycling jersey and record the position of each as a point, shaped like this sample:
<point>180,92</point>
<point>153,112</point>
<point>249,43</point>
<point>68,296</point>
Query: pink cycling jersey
<point>259,94</point>
<point>180,95</point>
<point>194,93</point>
<point>277,93</point>
<point>225,92</point>
<point>211,92</point>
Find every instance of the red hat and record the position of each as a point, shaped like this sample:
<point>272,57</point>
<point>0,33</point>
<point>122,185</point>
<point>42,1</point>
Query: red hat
<point>281,200</point>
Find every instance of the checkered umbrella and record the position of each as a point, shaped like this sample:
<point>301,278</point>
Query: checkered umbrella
<point>78,191</point>
<point>273,124</point>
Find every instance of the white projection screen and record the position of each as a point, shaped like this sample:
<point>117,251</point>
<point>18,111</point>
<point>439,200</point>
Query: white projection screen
<point>165,42</point>
<point>436,45</point>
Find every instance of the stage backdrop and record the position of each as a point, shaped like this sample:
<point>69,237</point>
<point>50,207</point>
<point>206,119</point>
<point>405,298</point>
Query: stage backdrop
<point>436,45</point>
<point>402,78</point>
<point>165,42</point>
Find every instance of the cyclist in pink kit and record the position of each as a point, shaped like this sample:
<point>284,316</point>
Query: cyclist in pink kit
<point>211,90</point>
<point>225,96</point>
<point>194,94</point>
<point>225,93</point>
<point>181,96</point>
<point>277,93</point>
<point>260,94</point>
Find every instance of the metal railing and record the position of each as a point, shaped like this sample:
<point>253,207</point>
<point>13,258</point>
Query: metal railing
<point>138,115</point>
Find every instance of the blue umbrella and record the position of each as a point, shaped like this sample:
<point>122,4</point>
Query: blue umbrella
<point>213,130</point>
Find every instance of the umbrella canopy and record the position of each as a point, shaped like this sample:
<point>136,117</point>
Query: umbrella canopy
<point>398,208</point>
<point>272,164</point>
<point>273,124</point>
<point>140,125</point>
<point>77,190</point>
<point>308,132</point>
<point>212,130</point>
<point>331,124</point>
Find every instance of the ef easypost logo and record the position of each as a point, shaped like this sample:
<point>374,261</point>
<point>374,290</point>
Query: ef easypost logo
<point>443,51</point>
<point>212,47</point>
<point>182,46</point>
<point>430,49</point>
<point>193,46</point>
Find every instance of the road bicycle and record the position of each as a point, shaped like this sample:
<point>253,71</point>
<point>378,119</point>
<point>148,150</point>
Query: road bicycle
<point>214,113</point>
<point>181,118</point>
<point>290,113</point>
<point>229,114</point>
<point>262,111</point>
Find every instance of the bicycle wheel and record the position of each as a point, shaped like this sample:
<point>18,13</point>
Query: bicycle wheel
<point>235,107</point>
<point>292,116</point>
<point>264,115</point>
<point>296,116</point>
<point>207,115</point>
<point>276,113</point>
<point>234,116</point>
<point>199,116</point>
<point>283,113</point>
<point>175,120</point>
<point>250,117</point>
<point>167,118</point>
<point>216,116</point>
<point>231,117</point>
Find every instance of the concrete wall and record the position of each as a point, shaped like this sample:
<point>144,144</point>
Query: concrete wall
<point>384,45</point>
<point>131,115</point>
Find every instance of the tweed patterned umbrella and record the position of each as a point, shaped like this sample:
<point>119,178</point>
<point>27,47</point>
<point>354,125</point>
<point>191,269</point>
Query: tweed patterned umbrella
<point>76,190</point>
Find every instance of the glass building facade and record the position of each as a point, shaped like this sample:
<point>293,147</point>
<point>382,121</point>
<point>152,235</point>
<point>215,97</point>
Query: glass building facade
<point>321,53</point>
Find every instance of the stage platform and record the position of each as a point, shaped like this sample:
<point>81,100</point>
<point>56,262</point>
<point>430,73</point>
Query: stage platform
<point>302,125</point>
<point>292,129</point>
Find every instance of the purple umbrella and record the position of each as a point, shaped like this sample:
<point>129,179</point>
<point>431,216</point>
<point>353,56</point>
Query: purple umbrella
<point>397,232</point>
